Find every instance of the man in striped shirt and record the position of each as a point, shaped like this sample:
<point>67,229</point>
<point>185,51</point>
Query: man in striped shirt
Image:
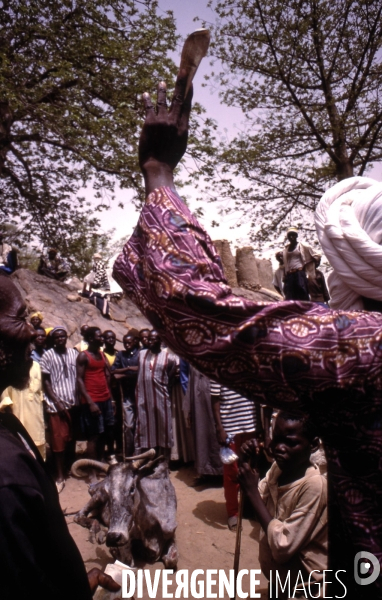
<point>58,368</point>
<point>239,418</point>
<point>155,372</point>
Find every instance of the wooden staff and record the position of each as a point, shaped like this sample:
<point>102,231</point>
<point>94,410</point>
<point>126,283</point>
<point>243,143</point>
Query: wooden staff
<point>238,540</point>
<point>123,424</point>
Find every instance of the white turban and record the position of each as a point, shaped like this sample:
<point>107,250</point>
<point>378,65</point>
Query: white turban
<point>349,227</point>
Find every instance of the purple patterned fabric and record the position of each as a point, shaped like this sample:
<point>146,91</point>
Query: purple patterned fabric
<point>289,355</point>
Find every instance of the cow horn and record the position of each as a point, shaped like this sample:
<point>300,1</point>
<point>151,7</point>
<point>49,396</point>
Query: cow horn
<point>85,463</point>
<point>139,459</point>
<point>151,463</point>
<point>148,454</point>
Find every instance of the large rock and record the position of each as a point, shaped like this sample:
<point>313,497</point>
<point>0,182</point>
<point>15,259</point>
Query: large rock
<point>61,305</point>
<point>247,271</point>
<point>262,295</point>
<point>224,250</point>
<point>264,268</point>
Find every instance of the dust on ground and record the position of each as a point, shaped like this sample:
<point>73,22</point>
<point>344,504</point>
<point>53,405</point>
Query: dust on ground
<point>203,538</point>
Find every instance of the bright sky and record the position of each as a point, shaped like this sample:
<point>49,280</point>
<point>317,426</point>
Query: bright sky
<point>123,220</point>
<point>229,120</point>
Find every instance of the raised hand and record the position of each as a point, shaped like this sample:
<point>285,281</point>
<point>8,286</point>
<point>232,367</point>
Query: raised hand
<point>164,135</point>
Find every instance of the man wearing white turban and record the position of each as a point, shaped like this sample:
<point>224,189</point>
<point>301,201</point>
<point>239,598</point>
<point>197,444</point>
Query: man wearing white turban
<point>349,227</point>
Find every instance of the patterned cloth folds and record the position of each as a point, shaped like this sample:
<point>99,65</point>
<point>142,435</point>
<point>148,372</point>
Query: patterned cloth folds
<point>290,355</point>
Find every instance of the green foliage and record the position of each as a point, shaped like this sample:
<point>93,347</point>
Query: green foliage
<point>307,74</point>
<point>71,74</point>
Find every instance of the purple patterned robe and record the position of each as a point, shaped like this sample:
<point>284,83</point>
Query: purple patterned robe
<point>289,355</point>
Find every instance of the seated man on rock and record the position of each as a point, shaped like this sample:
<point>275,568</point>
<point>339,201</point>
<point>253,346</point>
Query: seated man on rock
<point>53,265</point>
<point>8,257</point>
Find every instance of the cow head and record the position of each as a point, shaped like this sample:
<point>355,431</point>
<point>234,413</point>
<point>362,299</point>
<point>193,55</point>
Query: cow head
<point>123,501</point>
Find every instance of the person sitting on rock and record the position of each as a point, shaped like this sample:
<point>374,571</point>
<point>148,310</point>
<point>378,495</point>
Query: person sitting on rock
<point>53,265</point>
<point>7,256</point>
<point>97,279</point>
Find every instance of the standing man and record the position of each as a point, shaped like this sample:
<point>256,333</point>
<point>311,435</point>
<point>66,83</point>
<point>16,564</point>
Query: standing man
<point>109,341</point>
<point>53,265</point>
<point>58,368</point>
<point>39,345</point>
<point>125,369</point>
<point>279,274</point>
<point>93,379</point>
<point>144,338</point>
<point>156,369</point>
<point>27,406</point>
<point>239,418</point>
<point>299,258</point>
<point>318,290</point>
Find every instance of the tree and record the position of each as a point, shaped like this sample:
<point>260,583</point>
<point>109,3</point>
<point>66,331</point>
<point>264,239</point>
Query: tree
<point>71,72</point>
<point>308,75</point>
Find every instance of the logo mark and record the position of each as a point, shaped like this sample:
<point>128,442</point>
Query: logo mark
<point>369,564</point>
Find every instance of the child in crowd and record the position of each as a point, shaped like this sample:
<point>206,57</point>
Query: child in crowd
<point>291,507</point>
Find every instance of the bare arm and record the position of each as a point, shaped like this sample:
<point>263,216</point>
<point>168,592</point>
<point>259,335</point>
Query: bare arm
<point>249,481</point>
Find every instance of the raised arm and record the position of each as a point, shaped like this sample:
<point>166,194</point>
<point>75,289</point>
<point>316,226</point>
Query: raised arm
<point>279,354</point>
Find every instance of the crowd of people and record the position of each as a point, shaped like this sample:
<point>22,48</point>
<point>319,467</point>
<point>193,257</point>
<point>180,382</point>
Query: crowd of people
<point>319,368</point>
<point>127,401</point>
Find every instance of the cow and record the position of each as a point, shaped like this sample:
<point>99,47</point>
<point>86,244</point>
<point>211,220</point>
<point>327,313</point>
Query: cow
<point>133,509</point>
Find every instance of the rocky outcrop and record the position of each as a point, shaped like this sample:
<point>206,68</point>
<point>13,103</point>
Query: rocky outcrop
<point>61,305</point>
<point>224,250</point>
<point>265,271</point>
<point>246,270</point>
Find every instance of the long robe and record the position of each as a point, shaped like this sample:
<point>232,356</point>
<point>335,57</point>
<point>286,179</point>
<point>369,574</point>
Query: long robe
<point>296,356</point>
<point>153,425</point>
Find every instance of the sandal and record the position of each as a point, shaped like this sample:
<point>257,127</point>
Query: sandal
<point>232,523</point>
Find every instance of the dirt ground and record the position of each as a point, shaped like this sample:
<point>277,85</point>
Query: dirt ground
<point>203,539</point>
